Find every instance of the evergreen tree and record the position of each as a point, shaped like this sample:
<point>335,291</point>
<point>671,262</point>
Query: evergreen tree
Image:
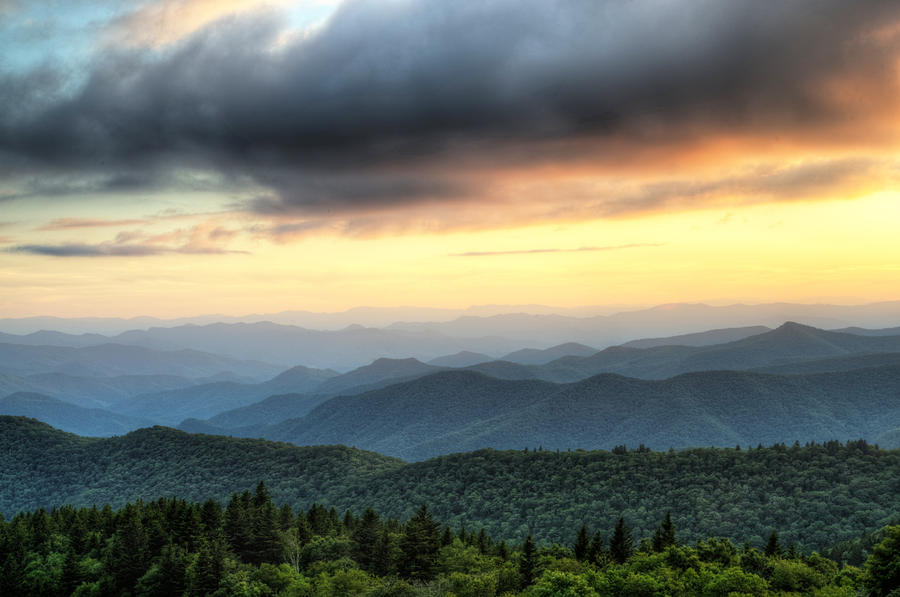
<point>127,558</point>
<point>420,545</point>
<point>211,517</point>
<point>320,522</point>
<point>266,541</point>
<point>384,563</point>
<point>447,537</point>
<point>528,562</point>
<point>304,532</point>
<point>483,541</point>
<point>621,546</point>
<point>239,525</point>
<point>664,535</point>
<point>582,544</point>
<point>365,540</point>
<point>285,517</point>
<point>773,547</point>
<point>503,551</point>
<point>70,577</point>
<point>596,554</point>
<point>206,573</point>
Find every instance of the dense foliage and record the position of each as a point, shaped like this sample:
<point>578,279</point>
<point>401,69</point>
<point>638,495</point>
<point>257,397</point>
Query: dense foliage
<point>815,495</point>
<point>171,547</point>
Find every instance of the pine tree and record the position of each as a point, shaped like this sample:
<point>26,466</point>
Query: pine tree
<point>239,525</point>
<point>71,573</point>
<point>365,540</point>
<point>285,517</point>
<point>528,563</point>
<point>483,541</point>
<point>420,545</point>
<point>621,546</point>
<point>207,571</point>
<point>128,552</point>
<point>304,533</point>
<point>664,536</point>
<point>266,545</point>
<point>582,544</point>
<point>596,554</point>
<point>384,565</point>
<point>503,551</point>
<point>773,547</point>
<point>211,517</point>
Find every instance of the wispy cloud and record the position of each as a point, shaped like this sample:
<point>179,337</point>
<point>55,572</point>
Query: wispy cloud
<point>575,250</point>
<point>210,237</point>
<point>68,223</point>
<point>114,250</point>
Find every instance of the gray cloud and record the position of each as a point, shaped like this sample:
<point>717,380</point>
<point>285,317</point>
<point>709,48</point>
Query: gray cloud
<point>577,250</point>
<point>347,118</point>
<point>113,250</point>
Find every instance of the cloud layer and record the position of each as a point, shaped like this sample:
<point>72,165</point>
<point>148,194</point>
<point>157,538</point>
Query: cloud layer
<point>403,104</point>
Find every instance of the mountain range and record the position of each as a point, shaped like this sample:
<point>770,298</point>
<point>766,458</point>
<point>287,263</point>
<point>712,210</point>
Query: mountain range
<point>289,406</point>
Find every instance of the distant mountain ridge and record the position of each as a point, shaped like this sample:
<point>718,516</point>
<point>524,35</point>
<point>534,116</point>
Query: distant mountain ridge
<point>109,360</point>
<point>93,422</point>
<point>494,331</point>
<point>455,411</point>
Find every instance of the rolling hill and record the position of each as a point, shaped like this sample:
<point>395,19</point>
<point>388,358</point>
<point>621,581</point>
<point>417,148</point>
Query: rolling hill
<point>42,467</point>
<point>803,492</point>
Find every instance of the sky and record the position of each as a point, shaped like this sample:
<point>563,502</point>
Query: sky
<point>178,157</point>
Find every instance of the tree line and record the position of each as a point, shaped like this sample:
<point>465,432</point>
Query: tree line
<point>172,547</point>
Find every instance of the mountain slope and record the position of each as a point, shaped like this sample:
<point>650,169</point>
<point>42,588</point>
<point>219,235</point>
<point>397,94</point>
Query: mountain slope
<point>207,400</point>
<point>43,467</point>
<point>534,356</point>
<point>379,371</point>
<point>789,343</point>
<point>462,410</point>
<point>398,418</point>
<point>269,411</point>
<point>706,338</point>
<point>93,422</point>
<point>463,358</point>
<point>92,392</point>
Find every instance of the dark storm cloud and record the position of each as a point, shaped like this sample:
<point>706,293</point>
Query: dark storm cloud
<point>415,83</point>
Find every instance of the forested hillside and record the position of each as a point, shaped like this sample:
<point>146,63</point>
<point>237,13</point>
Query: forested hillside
<point>813,495</point>
<point>170,547</point>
